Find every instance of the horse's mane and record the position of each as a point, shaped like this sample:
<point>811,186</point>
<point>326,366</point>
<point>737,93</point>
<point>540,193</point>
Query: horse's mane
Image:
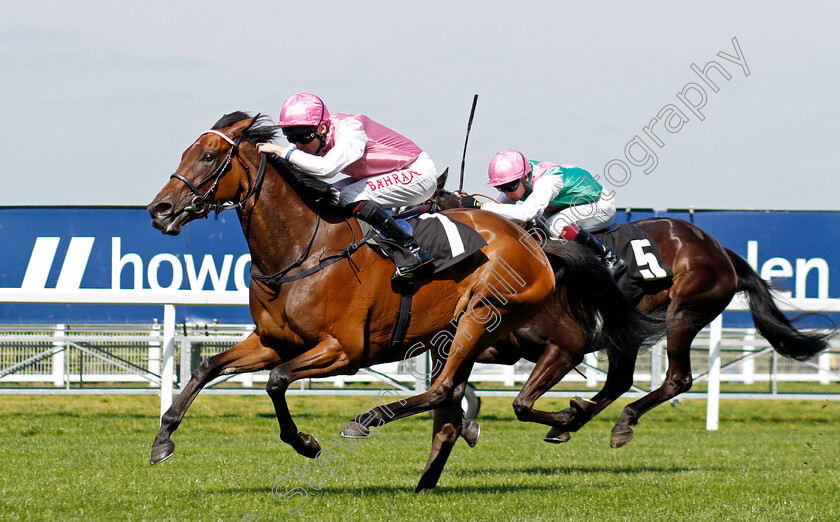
<point>263,130</point>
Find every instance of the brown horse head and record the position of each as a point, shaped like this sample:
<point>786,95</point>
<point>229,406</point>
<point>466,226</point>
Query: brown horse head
<point>206,176</point>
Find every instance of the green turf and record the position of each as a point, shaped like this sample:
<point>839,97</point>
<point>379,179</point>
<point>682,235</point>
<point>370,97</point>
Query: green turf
<point>86,458</point>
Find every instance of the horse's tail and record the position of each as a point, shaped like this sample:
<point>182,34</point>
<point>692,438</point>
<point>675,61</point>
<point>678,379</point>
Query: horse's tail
<point>770,321</point>
<point>595,301</point>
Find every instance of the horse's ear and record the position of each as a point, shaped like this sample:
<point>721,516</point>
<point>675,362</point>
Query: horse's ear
<point>239,128</point>
<point>442,179</point>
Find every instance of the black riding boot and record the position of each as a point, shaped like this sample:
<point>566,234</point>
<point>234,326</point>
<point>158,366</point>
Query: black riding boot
<point>379,219</point>
<point>614,262</point>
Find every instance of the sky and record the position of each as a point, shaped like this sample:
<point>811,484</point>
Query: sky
<point>99,102</point>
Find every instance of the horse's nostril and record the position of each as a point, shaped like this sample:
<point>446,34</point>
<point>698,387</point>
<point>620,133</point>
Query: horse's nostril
<point>163,208</point>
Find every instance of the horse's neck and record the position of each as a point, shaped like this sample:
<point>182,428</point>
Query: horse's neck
<point>279,225</point>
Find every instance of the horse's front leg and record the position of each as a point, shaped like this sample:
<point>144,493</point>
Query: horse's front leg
<point>248,356</point>
<point>325,359</point>
<point>447,427</point>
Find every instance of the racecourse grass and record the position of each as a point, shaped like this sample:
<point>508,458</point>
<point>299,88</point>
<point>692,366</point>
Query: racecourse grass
<point>86,458</point>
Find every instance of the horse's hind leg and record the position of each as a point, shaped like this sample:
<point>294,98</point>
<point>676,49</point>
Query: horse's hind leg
<point>677,380</point>
<point>684,322</point>
<point>247,356</point>
<point>581,411</point>
<point>551,367</point>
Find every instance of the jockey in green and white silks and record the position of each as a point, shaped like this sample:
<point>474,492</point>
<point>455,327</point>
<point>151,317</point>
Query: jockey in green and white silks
<point>563,194</point>
<point>563,200</point>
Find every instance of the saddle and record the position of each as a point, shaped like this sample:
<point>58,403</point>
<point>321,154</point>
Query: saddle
<point>447,240</point>
<point>646,272</point>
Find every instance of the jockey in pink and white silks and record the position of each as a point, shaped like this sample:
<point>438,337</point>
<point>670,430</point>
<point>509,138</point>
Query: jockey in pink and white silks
<point>385,169</point>
<point>562,200</point>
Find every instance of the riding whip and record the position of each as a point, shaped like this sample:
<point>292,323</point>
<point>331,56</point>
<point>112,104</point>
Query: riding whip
<point>464,157</point>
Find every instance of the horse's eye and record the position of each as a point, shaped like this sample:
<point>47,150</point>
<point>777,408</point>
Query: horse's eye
<point>208,156</point>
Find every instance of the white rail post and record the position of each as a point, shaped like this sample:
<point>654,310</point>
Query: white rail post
<point>247,378</point>
<point>824,363</point>
<point>58,373</point>
<point>186,362</point>
<point>748,366</point>
<point>168,369</point>
<point>713,396</point>
<point>656,364</point>
<point>508,375</point>
<point>420,365</point>
<point>591,374</point>
<point>153,363</point>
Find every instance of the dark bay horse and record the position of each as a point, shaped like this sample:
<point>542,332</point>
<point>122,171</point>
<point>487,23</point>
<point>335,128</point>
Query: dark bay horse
<point>328,318</point>
<point>706,278</point>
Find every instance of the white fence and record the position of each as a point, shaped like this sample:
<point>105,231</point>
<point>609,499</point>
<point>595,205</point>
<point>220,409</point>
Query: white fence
<point>162,342</point>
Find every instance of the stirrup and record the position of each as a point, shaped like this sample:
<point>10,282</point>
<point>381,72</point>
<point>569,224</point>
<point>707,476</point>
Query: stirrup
<point>423,259</point>
<point>616,265</point>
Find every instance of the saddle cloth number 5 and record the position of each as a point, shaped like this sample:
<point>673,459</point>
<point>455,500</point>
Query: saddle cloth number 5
<point>647,259</point>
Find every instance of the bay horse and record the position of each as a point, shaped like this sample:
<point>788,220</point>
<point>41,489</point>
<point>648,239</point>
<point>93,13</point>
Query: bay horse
<point>706,278</point>
<point>330,306</point>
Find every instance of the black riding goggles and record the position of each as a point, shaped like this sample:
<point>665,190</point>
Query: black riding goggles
<point>510,186</point>
<point>300,135</point>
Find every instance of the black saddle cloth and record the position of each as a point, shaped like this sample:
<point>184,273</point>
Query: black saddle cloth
<point>646,272</point>
<point>447,240</point>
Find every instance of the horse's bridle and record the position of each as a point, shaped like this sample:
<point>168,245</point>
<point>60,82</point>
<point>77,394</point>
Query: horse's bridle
<point>201,208</point>
<point>200,203</point>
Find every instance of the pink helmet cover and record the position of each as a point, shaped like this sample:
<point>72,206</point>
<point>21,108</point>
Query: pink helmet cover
<point>303,109</point>
<point>507,166</point>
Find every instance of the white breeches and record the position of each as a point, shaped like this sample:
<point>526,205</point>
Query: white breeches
<point>588,216</point>
<point>410,186</point>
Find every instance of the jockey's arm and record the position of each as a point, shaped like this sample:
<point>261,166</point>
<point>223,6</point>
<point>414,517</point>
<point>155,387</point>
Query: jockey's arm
<point>545,189</point>
<point>350,142</point>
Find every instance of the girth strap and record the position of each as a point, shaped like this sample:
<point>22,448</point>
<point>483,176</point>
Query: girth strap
<point>403,315</point>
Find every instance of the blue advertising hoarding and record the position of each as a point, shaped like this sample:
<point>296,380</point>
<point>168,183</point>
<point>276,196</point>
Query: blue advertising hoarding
<point>113,248</point>
<point>116,248</point>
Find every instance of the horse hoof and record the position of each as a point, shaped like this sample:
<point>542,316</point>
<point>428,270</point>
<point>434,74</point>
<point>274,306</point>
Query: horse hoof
<point>309,446</point>
<point>471,430</point>
<point>621,438</point>
<point>424,491</point>
<point>355,430</point>
<point>162,451</point>
<point>556,436</point>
